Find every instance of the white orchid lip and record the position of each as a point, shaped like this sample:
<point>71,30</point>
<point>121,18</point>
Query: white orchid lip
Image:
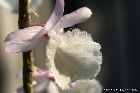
<point>73,56</point>
<point>84,86</point>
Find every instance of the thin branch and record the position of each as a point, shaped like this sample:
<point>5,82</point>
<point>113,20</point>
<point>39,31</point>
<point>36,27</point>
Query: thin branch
<point>24,21</point>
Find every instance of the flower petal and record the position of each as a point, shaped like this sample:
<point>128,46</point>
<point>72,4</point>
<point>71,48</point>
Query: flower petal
<point>73,18</point>
<point>39,87</point>
<point>56,15</point>
<point>85,86</point>
<point>24,39</point>
<point>73,56</point>
<point>37,74</point>
<point>40,80</point>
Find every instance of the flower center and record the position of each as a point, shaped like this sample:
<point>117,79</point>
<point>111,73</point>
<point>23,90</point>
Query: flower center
<point>46,35</point>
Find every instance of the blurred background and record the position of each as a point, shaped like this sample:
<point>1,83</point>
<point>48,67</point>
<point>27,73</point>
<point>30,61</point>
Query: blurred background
<point>115,24</point>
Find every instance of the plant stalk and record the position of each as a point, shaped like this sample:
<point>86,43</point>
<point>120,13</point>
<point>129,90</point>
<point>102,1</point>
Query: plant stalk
<point>23,22</point>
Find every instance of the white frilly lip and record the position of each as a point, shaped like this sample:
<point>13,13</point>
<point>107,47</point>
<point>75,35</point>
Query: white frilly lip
<point>72,56</point>
<point>85,86</point>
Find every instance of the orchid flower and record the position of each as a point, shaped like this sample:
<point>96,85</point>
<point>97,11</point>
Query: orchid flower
<point>80,86</point>
<point>12,5</point>
<point>41,80</point>
<point>28,38</point>
<point>72,56</point>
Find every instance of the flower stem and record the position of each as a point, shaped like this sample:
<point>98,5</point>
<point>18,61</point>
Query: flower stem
<point>24,21</point>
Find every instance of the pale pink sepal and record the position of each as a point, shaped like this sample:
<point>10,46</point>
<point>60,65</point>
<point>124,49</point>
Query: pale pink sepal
<point>56,15</point>
<point>24,39</point>
<point>37,74</point>
<point>73,18</point>
<point>40,80</point>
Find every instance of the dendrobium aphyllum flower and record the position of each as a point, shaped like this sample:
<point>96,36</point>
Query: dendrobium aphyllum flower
<point>73,58</point>
<point>41,83</point>
<point>41,80</point>
<point>12,5</point>
<point>28,38</point>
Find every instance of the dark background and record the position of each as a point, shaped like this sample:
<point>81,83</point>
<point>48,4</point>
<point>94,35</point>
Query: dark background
<point>119,28</point>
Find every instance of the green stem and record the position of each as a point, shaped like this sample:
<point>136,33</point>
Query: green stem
<point>24,21</point>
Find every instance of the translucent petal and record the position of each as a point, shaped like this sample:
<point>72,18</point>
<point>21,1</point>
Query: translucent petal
<point>85,86</point>
<point>39,87</point>
<point>24,39</point>
<point>73,56</point>
<point>37,73</point>
<point>73,18</point>
<point>40,80</point>
<point>56,15</point>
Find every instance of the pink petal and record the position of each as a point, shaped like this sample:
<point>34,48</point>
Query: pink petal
<point>40,79</point>
<point>41,73</point>
<point>37,74</point>
<point>73,84</point>
<point>73,18</point>
<point>39,88</point>
<point>56,15</point>
<point>24,39</point>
